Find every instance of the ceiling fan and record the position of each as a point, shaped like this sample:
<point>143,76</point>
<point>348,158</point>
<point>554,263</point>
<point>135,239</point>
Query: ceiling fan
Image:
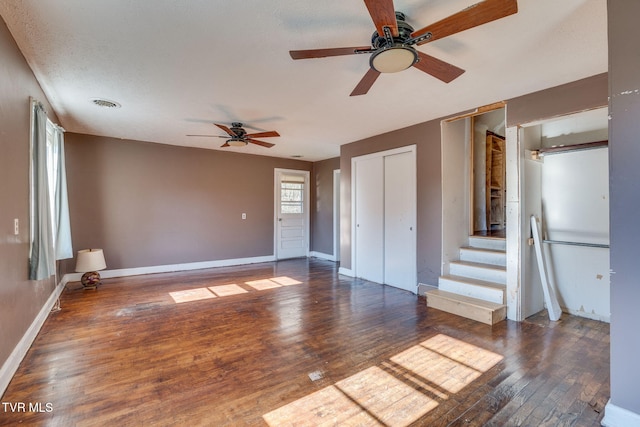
<point>240,137</point>
<point>392,43</point>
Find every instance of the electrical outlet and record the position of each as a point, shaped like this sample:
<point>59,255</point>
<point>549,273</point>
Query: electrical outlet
<point>244,215</point>
<point>16,226</point>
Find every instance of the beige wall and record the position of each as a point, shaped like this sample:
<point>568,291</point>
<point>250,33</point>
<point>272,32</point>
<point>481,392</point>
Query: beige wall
<point>148,204</point>
<point>20,298</point>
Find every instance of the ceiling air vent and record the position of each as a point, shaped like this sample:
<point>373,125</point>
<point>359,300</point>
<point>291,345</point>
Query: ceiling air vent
<point>105,103</point>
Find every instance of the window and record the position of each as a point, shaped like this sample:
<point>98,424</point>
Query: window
<point>50,229</point>
<point>292,195</point>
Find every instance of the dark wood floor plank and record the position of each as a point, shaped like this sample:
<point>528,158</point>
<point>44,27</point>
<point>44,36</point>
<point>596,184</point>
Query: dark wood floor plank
<point>299,334</point>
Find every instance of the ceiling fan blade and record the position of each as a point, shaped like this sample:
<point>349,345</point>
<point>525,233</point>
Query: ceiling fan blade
<point>365,84</point>
<point>437,68</point>
<point>226,144</point>
<point>383,15</point>
<point>322,53</point>
<point>262,134</point>
<point>264,144</point>
<point>477,14</point>
<point>226,129</point>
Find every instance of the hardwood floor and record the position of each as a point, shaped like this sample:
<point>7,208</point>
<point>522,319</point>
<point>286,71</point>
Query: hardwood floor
<point>298,345</point>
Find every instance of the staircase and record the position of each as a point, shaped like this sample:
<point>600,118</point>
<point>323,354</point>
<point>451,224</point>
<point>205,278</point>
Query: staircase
<point>475,285</point>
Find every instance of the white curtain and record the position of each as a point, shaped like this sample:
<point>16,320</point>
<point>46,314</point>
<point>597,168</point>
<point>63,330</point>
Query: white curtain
<point>63,247</point>
<point>50,225</point>
<point>41,257</point>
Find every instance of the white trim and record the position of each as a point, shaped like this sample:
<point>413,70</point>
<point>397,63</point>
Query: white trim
<point>170,268</point>
<point>276,205</point>
<point>336,214</point>
<point>12,363</point>
<point>346,272</point>
<point>321,255</point>
<point>354,160</point>
<point>615,416</point>
<point>586,315</point>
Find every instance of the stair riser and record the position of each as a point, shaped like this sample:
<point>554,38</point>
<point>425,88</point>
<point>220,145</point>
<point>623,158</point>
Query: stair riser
<point>496,244</point>
<point>488,274</point>
<point>460,308</point>
<point>472,290</point>
<point>483,257</point>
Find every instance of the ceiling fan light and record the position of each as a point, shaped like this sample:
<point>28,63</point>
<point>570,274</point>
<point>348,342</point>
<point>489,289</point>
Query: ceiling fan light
<point>393,59</point>
<point>236,143</point>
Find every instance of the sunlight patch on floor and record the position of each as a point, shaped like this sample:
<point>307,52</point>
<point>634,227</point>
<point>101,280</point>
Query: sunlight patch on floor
<point>198,294</point>
<point>191,295</point>
<point>398,393</point>
<point>263,284</point>
<point>226,290</point>
<point>274,282</point>
<point>286,281</point>
<point>446,362</point>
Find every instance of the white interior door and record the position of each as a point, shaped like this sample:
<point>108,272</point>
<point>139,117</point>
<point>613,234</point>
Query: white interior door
<point>399,221</point>
<point>292,214</point>
<point>369,219</point>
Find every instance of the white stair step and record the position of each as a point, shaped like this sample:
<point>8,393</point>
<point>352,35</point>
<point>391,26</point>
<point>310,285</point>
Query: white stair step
<point>496,243</point>
<point>488,272</point>
<point>485,256</point>
<point>471,308</point>
<point>473,288</point>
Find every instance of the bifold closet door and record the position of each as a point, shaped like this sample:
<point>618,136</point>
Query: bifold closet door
<point>385,206</point>
<point>369,219</point>
<point>399,221</point>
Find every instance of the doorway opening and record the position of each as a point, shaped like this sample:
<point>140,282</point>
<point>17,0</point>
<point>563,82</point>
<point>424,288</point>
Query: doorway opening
<point>291,213</point>
<point>488,175</point>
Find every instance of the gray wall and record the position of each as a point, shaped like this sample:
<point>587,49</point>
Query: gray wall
<point>20,298</point>
<point>147,204</point>
<point>576,96</point>
<point>624,176</point>
<point>427,138</point>
<point>322,205</point>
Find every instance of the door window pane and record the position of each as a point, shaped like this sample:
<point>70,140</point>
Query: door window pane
<point>291,197</point>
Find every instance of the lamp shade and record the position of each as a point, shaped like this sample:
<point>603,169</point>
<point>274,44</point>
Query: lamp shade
<point>90,260</point>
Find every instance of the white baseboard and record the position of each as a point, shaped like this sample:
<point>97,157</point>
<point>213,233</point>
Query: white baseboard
<point>592,316</point>
<point>423,287</point>
<point>346,272</point>
<point>12,363</point>
<point>615,416</point>
<point>171,268</point>
<point>321,255</point>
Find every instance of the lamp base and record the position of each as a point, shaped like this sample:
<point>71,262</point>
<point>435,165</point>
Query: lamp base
<point>90,280</point>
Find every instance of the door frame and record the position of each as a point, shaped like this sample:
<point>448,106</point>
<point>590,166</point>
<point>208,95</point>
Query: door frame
<point>354,160</point>
<point>277,173</point>
<point>336,215</point>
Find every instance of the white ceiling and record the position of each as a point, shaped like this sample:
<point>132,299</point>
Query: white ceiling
<point>176,67</point>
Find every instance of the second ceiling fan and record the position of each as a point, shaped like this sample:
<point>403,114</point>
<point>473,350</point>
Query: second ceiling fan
<point>393,41</point>
<point>238,137</point>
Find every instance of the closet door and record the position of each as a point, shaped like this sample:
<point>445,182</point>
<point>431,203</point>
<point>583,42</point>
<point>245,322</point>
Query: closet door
<point>369,220</point>
<point>399,221</point>
<point>384,217</point>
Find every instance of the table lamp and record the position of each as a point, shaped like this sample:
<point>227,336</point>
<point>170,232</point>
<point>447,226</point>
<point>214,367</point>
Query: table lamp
<point>89,261</point>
